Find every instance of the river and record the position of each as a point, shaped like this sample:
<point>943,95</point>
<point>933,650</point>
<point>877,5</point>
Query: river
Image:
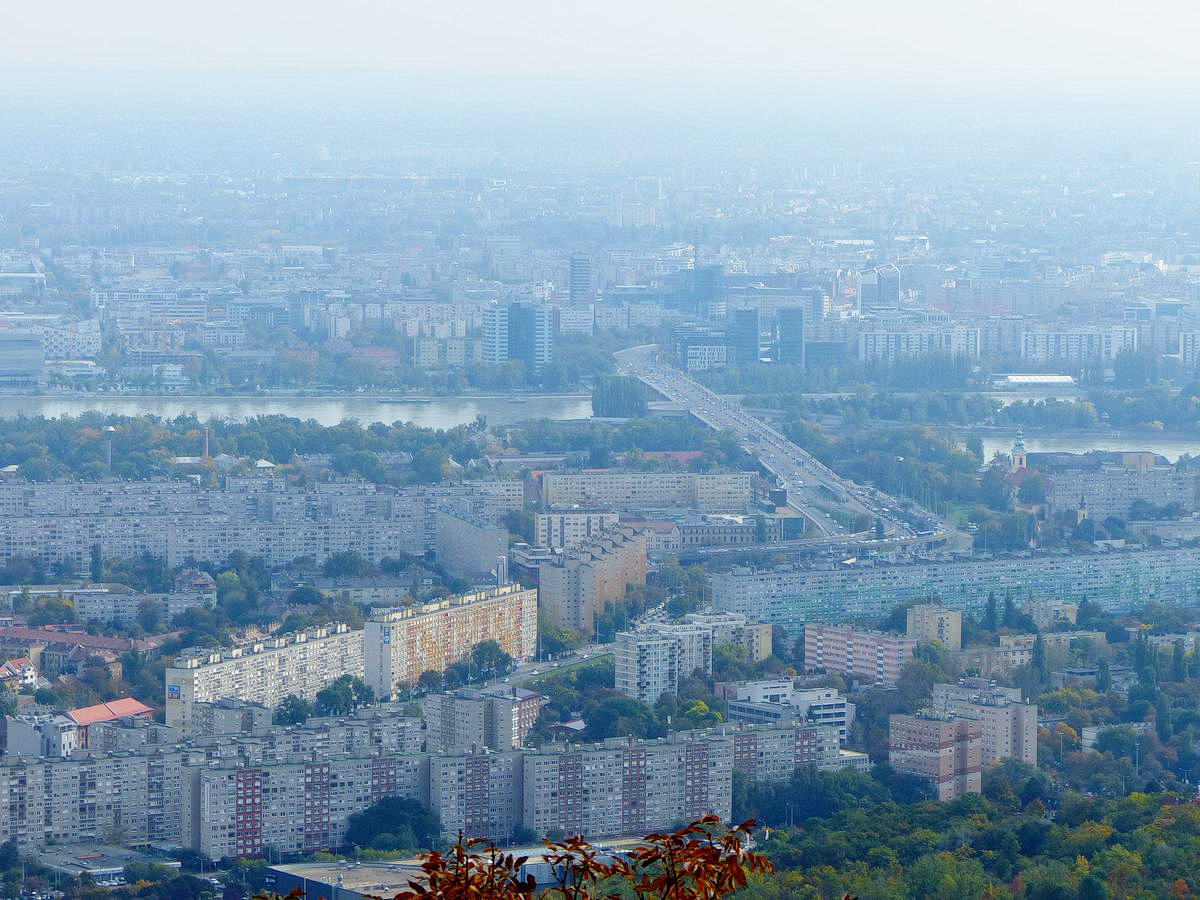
<point>439,412</point>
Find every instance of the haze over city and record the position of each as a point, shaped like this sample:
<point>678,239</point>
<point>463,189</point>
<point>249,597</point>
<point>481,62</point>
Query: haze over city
<point>700,450</point>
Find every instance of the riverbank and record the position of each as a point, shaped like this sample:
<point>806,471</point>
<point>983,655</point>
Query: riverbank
<point>429,412</point>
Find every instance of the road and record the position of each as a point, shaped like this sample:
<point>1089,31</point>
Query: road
<point>812,487</point>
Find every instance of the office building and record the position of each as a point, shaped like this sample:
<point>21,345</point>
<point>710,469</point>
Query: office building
<point>766,702</point>
<point>887,281</point>
<point>874,657</point>
<point>946,753</point>
<point>580,287</point>
<point>263,672</point>
<point>400,644</point>
<point>930,622</point>
<point>789,323</point>
<point>1008,727</point>
<point>22,360</point>
<point>743,335</point>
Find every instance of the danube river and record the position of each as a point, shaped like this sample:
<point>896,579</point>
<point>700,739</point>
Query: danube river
<point>439,412</point>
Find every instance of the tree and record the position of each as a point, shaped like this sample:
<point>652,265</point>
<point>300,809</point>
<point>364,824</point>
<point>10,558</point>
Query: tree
<point>293,710</point>
<point>488,660</point>
<point>394,823</point>
<point>431,680</point>
<point>305,595</point>
<point>343,696</point>
<point>989,622</point>
<point>346,562</point>
<point>97,564</point>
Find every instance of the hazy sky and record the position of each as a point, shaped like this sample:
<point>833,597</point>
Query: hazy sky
<point>897,45</point>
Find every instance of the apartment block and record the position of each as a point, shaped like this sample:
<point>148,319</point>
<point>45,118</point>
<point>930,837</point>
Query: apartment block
<point>263,672</point>
<point>930,622</point>
<point>228,716</point>
<point>871,656</point>
<point>238,808</point>
<point>1118,580</point>
<point>497,718</point>
<point>1110,490</point>
<point>626,787</point>
<point>262,516</point>
<point>400,644</point>
<point>648,665</point>
<point>946,753</point>
<point>469,545</point>
<point>1008,726</point>
<point>732,628</point>
<point>576,584</point>
<point>652,660</point>
<point>563,530</point>
<point>92,797</point>
<point>479,794</point>
<point>723,492</point>
<point>1078,344</point>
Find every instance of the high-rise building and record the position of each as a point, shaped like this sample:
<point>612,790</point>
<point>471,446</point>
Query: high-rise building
<point>743,334</point>
<point>576,585</point>
<point>497,718</point>
<point>519,331</point>
<point>945,752</point>
<point>400,644</point>
<point>790,324</point>
<point>579,280</point>
<point>888,280</point>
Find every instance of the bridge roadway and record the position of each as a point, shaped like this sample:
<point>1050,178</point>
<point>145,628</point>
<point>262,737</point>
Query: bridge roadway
<point>812,487</point>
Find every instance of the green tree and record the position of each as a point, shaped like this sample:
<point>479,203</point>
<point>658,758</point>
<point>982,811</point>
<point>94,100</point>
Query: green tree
<point>343,696</point>
<point>488,660</point>
<point>293,710</point>
<point>394,823</point>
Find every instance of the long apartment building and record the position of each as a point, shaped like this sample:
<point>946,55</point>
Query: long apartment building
<point>874,657</point>
<point>179,521</point>
<point>1110,489</point>
<point>263,672</point>
<point>605,488</point>
<point>1118,580</point>
<point>235,795</point>
<point>400,644</point>
<point>577,584</point>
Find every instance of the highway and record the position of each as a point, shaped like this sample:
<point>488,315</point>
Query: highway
<point>812,487</point>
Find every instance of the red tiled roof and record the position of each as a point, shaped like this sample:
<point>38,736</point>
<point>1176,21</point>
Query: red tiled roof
<point>113,709</point>
<point>49,635</point>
